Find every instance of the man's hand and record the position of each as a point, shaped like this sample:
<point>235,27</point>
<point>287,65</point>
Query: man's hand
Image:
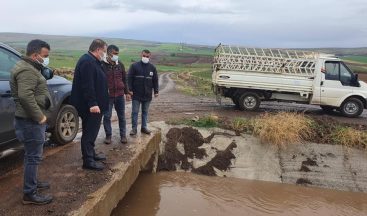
<point>128,97</point>
<point>131,93</point>
<point>156,95</point>
<point>43,121</point>
<point>95,109</point>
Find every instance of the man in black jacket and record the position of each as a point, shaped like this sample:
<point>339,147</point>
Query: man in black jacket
<point>89,95</point>
<point>142,79</point>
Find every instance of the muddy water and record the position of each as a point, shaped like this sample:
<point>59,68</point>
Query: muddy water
<point>185,194</point>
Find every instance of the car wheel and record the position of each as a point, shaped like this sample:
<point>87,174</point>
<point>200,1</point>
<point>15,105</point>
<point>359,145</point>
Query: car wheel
<point>249,101</point>
<point>67,125</point>
<point>351,107</point>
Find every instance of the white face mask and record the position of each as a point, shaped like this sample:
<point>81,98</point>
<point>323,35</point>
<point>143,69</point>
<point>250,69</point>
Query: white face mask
<point>115,58</point>
<point>104,57</point>
<point>145,60</point>
<point>45,61</point>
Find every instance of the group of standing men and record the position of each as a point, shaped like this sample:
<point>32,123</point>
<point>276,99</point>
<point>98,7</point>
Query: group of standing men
<point>100,82</point>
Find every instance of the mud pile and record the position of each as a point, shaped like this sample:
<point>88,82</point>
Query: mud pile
<point>183,145</point>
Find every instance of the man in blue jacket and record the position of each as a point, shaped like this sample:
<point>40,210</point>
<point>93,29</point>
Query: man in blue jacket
<point>89,95</point>
<point>142,80</point>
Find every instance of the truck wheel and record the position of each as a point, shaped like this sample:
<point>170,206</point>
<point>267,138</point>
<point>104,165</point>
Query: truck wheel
<point>249,101</point>
<point>351,107</point>
<point>327,109</point>
<point>67,125</point>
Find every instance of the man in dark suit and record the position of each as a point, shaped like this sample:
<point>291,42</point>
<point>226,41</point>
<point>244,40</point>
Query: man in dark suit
<point>90,97</point>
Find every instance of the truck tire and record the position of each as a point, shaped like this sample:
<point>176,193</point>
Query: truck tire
<point>67,125</point>
<point>352,107</point>
<point>249,101</point>
<point>327,109</point>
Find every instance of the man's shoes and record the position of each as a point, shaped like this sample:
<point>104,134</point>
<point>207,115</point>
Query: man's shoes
<point>93,166</point>
<point>99,157</point>
<point>123,140</point>
<point>133,132</point>
<point>43,185</point>
<point>146,131</point>
<point>36,199</point>
<point>108,140</point>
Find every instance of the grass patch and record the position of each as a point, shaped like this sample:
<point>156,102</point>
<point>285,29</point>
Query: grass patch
<point>349,137</point>
<point>208,121</point>
<point>282,128</point>
<point>356,58</point>
<point>242,125</point>
<point>193,85</point>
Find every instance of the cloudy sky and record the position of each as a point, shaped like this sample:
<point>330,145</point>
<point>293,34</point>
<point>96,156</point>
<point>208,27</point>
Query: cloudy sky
<point>270,23</point>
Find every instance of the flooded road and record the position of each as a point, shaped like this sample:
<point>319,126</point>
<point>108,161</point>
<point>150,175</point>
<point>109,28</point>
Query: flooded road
<point>185,194</point>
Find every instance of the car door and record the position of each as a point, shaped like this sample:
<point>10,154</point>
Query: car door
<point>336,84</point>
<point>7,105</point>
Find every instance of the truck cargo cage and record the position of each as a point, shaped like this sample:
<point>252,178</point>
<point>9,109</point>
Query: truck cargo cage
<point>279,61</point>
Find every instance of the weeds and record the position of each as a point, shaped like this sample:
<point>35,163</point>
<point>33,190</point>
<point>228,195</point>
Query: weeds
<point>209,121</point>
<point>349,137</point>
<point>282,128</point>
<point>242,125</point>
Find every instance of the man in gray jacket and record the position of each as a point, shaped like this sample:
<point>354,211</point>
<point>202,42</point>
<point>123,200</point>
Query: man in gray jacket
<point>32,100</point>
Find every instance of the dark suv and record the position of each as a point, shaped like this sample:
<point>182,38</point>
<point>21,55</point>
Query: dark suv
<point>63,120</point>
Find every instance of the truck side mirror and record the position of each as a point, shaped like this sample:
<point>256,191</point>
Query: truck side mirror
<point>356,80</point>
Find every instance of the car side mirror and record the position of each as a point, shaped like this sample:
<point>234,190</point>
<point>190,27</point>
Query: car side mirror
<point>47,73</point>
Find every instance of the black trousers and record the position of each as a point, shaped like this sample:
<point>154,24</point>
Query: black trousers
<point>91,123</point>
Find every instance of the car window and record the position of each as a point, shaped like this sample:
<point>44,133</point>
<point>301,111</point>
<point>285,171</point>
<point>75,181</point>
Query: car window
<point>345,75</point>
<point>7,62</point>
<point>332,70</point>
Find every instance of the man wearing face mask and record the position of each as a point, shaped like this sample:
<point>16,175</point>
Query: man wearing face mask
<point>32,101</point>
<point>142,79</point>
<point>117,85</point>
<point>89,95</point>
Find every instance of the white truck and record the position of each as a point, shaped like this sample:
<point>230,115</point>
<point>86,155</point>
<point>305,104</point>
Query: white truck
<point>251,75</point>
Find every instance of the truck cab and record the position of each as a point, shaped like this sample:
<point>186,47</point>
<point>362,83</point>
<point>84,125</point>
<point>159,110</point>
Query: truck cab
<point>339,88</point>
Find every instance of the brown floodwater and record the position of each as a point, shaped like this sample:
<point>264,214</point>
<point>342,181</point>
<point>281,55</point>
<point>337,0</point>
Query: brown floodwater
<point>186,194</point>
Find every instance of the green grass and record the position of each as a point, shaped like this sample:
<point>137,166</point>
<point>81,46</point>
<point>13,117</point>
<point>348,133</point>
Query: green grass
<point>356,58</point>
<point>203,122</point>
<point>204,73</point>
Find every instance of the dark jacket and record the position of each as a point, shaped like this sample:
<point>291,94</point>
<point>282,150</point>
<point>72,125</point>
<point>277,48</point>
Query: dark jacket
<point>29,90</point>
<point>142,79</point>
<point>117,79</point>
<point>89,85</point>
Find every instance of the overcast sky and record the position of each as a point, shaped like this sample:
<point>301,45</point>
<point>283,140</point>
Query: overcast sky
<point>271,23</point>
